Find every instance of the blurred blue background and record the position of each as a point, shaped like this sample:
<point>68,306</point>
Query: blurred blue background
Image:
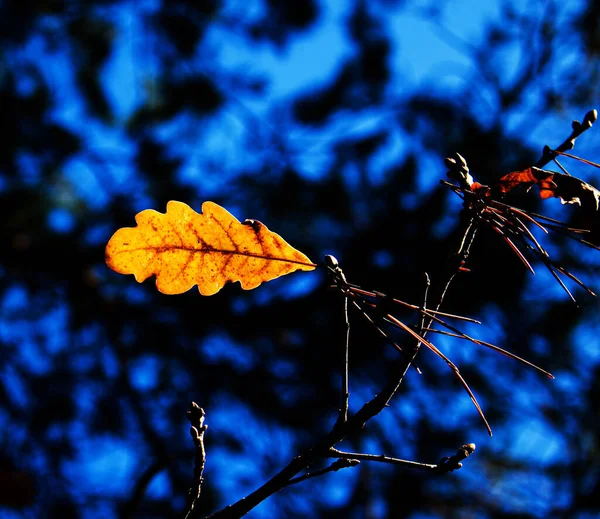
<point>329,122</point>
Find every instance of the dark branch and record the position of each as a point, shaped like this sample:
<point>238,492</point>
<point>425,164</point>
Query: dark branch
<point>382,458</point>
<point>354,424</point>
<point>334,467</point>
<point>339,280</point>
<point>577,129</point>
<point>447,464</point>
<point>197,427</point>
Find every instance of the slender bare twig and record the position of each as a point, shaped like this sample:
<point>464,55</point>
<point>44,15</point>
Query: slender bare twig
<point>425,294</point>
<point>354,424</point>
<point>571,156</point>
<point>446,464</point>
<point>425,311</point>
<point>345,377</point>
<point>335,453</point>
<point>335,271</point>
<point>197,427</point>
<point>569,143</point>
<point>334,467</point>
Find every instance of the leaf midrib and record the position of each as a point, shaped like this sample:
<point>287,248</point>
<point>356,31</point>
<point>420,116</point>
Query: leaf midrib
<point>217,251</point>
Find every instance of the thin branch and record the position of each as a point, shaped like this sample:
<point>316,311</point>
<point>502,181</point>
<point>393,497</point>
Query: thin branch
<point>334,467</point>
<point>339,280</point>
<point>335,453</point>
<point>426,292</point>
<point>569,143</point>
<point>197,427</point>
<point>354,424</point>
<point>345,396</point>
<point>461,335</point>
<point>426,311</point>
<point>580,159</point>
<point>562,168</point>
<point>388,339</point>
<point>447,464</point>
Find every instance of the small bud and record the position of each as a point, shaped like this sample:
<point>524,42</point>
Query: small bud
<point>589,119</point>
<point>449,162</point>
<point>331,261</point>
<point>469,448</point>
<point>591,116</point>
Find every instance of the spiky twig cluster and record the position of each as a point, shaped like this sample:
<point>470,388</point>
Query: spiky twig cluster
<point>485,205</point>
<point>377,309</point>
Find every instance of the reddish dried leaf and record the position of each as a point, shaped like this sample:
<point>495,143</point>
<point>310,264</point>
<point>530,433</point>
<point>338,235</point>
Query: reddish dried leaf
<point>527,178</point>
<point>570,190</point>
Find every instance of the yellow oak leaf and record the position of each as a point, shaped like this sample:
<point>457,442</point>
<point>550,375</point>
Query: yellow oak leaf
<point>183,248</point>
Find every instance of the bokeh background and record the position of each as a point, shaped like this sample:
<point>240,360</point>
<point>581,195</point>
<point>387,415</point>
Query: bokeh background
<point>329,122</point>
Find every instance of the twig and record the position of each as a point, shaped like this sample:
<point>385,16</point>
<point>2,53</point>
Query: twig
<point>428,312</point>
<point>197,427</point>
<point>340,280</point>
<point>334,467</point>
<point>446,464</point>
<point>577,129</point>
<point>354,424</point>
<point>424,308</point>
<point>388,339</point>
<point>451,463</point>
<point>345,396</point>
<point>459,172</point>
<point>335,453</point>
